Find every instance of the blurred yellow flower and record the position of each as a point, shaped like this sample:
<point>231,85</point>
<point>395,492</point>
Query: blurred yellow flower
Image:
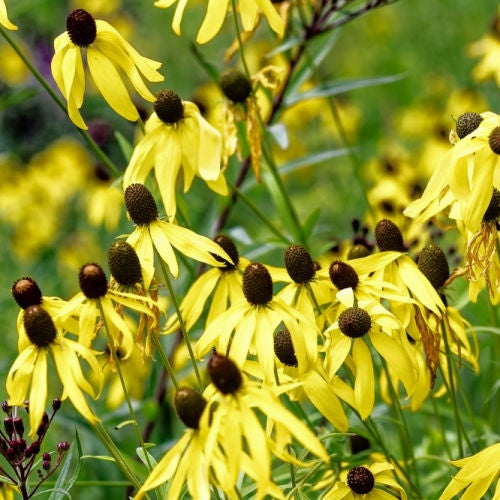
<point>249,11</point>
<point>107,52</point>
<point>4,20</point>
<point>177,136</point>
<point>477,473</point>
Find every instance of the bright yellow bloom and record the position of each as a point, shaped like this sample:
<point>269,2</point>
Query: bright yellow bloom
<point>4,20</point>
<point>222,283</point>
<point>386,334</point>
<point>107,52</point>
<point>364,481</point>
<point>477,473</point>
<point>238,405</point>
<point>153,234</point>
<point>28,374</point>
<point>247,327</point>
<point>176,135</point>
<point>249,11</point>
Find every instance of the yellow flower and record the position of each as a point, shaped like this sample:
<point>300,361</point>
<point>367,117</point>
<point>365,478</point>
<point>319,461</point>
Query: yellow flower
<point>29,371</point>
<point>107,53</point>
<point>96,301</point>
<point>176,136</point>
<point>222,283</point>
<point>4,20</point>
<point>188,461</point>
<point>488,50</point>
<point>153,234</point>
<point>364,481</point>
<point>238,404</point>
<point>248,326</point>
<point>249,11</point>
<point>477,473</point>
<point>386,334</point>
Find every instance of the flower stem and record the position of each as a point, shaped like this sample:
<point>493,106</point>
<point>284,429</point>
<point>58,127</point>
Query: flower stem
<point>175,302</point>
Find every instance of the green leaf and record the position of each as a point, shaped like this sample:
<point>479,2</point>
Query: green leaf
<point>209,67</point>
<point>69,470</point>
<point>312,159</point>
<point>125,146</point>
<point>330,89</point>
<point>121,425</point>
<point>15,98</point>
<point>145,457</point>
<point>310,222</point>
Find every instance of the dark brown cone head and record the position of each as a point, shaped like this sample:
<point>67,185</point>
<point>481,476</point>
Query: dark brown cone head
<point>93,282</point>
<point>189,405</point>
<point>81,28</point>
<point>227,244</point>
<point>283,348</point>
<point>299,264</point>
<point>467,123</point>
<point>168,107</point>
<point>140,204</point>
<point>434,266</point>
<point>257,284</point>
<point>39,326</point>
<point>360,480</point>
<point>494,140</point>
<point>124,263</point>
<point>342,275</point>
<point>354,322</point>
<point>493,211</point>
<point>224,374</point>
<point>388,236</point>
<point>357,251</point>
<point>235,85</point>
<point>26,292</point>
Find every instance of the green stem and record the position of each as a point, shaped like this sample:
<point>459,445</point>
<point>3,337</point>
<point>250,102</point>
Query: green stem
<point>108,442</point>
<point>90,142</point>
<point>175,302</point>
<point>260,215</point>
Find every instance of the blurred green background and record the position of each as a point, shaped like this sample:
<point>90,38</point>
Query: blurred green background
<point>424,41</point>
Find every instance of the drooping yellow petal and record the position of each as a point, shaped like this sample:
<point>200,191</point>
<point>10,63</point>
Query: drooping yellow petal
<point>163,245</point>
<point>364,386</point>
<point>4,20</point>
<point>110,84</point>
<point>213,21</point>
<point>140,240</point>
<point>38,391</point>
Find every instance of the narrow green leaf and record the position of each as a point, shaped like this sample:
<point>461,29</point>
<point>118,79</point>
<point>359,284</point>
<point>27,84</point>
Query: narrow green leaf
<point>121,425</point>
<point>330,89</point>
<point>125,146</point>
<point>310,222</point>
<point>143,458</point>
<point>209,67</point>
<point>68,473</point>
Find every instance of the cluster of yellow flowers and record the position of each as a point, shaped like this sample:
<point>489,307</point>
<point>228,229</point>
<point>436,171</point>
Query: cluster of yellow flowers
<point>328,334</point>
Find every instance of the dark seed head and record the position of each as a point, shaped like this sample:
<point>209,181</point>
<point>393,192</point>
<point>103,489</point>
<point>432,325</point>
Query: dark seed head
<point>467,123</point>
<point>357,251</point>
<point>235,85</point>
<point>168,107</point>
<point>493,211</point>
<point>388,236</point>
<point>189,405</point>
<point>434,266</point>
<point>39,326</point>
<point>227,244</point>
<point>224,374</point>
<point>283,348</point>
<point>81,28</point>
<point>124,263</point>
<point>26,292</point>
<point>360,480</point>
<point>257,284</point>
<point>343,275</point>
<point>299,264</point>
<point>354,322</point>
<point>494,140</point>
<point>93,282</point>
<point>140,204</point>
